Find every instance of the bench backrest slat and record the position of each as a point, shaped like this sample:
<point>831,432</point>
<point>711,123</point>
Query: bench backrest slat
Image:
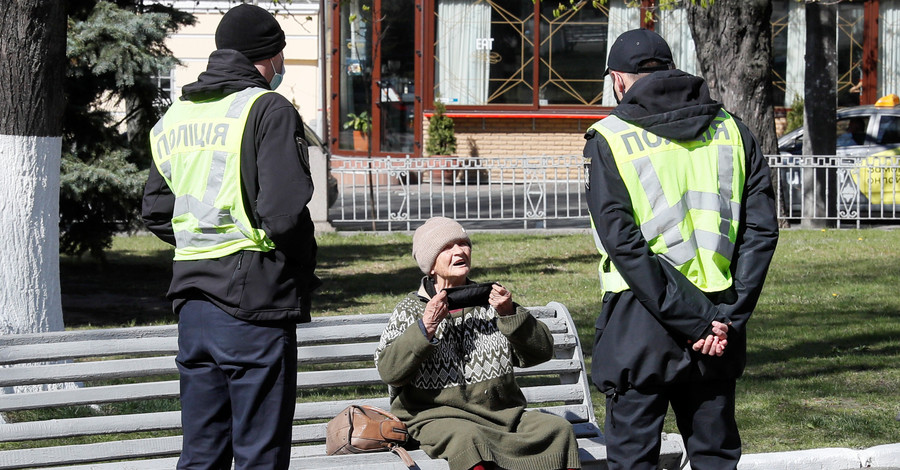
<point>89,395</point>
<point>88,371</point>
<point>84,453</point>
<point>93,425</point>
<point>82,349</point>
<point>57,337</point>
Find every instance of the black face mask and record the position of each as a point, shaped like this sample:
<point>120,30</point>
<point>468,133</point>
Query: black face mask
<point>468,295</point>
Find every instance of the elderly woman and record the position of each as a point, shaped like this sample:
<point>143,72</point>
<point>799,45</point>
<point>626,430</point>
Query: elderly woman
<point>449,352</point>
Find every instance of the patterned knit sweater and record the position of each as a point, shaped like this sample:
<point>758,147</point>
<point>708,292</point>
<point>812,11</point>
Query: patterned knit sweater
<point>464,378</point>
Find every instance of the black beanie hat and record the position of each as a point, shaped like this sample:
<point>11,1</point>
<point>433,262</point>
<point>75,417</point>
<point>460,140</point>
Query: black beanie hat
<point>252,31</point>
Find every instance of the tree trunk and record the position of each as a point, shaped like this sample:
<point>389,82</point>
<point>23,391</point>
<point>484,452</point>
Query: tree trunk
<point>32,69</point>
<point>819,111</point>
<point>734,52</point>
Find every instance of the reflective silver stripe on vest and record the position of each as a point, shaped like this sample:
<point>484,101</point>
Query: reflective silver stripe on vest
<point>665,218</point>
<point>240,100</point>
<point>210,219</point>
<point>615,124</point>
<point>166,169</point>
<point>650,182</point>
<point>205,239</point>
<point>215,177</point>
<point>158,127</point>
<point>220,158</point>
<point>597,241</point>
<point>726,173</point>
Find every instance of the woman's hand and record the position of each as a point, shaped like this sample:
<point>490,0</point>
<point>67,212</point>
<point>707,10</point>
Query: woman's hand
<point>501,300</point>
<point>435,312</point>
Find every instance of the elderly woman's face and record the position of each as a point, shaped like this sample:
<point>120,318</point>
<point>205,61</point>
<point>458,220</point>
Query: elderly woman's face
<point>453,263</point>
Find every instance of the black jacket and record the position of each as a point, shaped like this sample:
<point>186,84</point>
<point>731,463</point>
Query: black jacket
<point>643,334</point>
<point>276,181</point>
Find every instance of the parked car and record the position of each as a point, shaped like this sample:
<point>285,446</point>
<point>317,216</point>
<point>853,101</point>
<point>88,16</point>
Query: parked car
<point>868,150</point>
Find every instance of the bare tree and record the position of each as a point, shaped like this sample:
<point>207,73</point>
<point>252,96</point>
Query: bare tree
<point>32,68</point>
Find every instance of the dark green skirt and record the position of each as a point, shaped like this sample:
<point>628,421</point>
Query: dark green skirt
<point>540,441</point>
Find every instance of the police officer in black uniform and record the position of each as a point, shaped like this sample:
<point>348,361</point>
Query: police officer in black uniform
<point>684,217</point>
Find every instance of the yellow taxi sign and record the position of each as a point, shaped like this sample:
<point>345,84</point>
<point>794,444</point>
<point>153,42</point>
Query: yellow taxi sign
<point>888,100</point>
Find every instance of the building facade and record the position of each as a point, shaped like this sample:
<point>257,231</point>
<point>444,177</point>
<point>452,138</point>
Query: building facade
<point>304,64</point>
<point>516,78</point>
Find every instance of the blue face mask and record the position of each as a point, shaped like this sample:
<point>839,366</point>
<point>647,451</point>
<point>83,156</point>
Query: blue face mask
<point>276,80</point>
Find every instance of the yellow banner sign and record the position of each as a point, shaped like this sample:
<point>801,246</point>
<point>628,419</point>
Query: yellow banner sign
<point>877,179</point>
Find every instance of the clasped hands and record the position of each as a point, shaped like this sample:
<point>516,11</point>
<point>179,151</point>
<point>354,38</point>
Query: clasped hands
<point>437,309</point>
<point>714,344</point>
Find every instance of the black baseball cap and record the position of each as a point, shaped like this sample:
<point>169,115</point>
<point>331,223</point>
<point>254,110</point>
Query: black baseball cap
<point>635,47</point>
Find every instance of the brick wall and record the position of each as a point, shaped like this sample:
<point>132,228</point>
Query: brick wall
<point>487,137</point>
<point>495,137</point>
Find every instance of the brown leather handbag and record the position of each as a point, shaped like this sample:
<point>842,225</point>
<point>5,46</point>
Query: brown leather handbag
<point>360,429</point>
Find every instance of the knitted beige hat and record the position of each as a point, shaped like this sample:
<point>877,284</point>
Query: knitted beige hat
<point>431,238</point>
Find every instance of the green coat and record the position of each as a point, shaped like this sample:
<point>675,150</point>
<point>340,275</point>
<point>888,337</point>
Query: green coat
<point>458,395</point>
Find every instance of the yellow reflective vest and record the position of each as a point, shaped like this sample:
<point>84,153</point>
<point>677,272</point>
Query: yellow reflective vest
<point>196,147</point>
<point>685,196</point>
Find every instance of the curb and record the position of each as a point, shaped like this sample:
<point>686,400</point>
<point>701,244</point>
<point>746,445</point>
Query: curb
<point>886,457</point>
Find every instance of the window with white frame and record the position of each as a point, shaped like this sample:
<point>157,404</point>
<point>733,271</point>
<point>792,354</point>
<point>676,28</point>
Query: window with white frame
<point>164,81</point>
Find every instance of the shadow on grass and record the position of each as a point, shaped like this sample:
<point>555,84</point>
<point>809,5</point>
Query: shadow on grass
<point>828,355</point>
<point>130,287</point>
<point>126,289</point>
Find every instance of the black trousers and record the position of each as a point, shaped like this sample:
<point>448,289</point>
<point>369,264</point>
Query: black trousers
<point>238,390</point>
<point>704,413</point>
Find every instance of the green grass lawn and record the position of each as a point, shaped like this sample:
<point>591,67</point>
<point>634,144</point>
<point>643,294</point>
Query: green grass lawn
<point>824,348</point>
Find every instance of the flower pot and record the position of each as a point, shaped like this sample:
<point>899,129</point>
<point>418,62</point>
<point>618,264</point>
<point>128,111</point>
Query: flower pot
<point>360,142</point>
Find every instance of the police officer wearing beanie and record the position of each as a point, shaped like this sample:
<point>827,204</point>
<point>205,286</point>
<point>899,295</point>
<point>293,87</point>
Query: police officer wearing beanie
<point>683,213</point>
<point>229,189</point>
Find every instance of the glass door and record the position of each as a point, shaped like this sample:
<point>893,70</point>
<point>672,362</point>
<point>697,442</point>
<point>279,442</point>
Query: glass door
<point>395,85</point>
<point>375,72</point>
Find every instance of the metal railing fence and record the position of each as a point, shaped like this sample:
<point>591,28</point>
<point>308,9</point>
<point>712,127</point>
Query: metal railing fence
<point>495,192</point>
<point>846,190</point>
<point>547,191</point>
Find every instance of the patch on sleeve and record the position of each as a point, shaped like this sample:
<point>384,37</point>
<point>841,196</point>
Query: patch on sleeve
<point>587,174</point>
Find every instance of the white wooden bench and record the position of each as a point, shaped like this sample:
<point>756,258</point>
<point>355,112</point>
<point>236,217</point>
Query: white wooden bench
<point>123,413</point>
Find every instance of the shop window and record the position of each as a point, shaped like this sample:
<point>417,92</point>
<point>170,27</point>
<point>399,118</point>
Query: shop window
<point>484,54</point>
<point>573,47</point>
